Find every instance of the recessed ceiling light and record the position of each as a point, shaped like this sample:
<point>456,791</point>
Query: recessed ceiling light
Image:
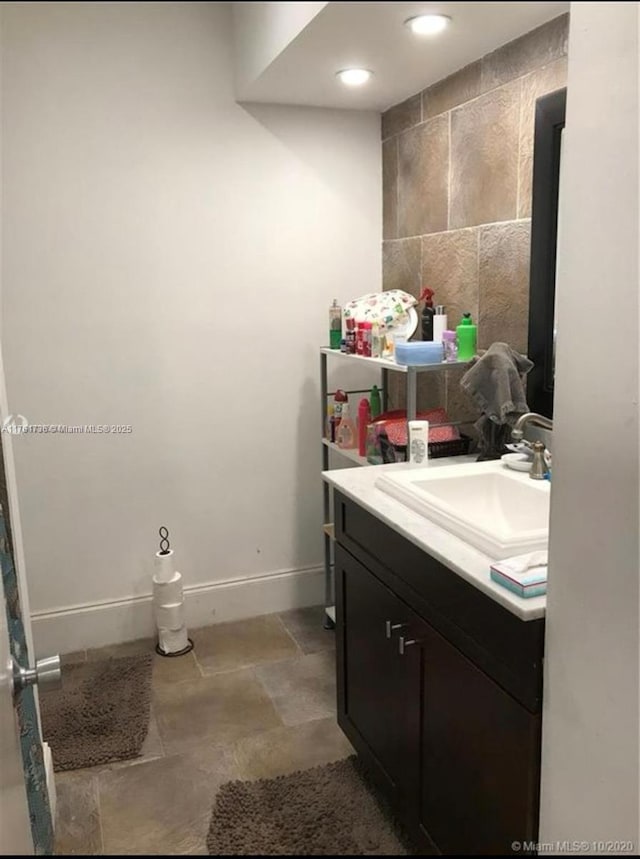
<point>354,77</point>
<point>428,25</point>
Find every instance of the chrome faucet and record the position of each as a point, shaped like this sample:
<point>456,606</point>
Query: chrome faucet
<point>539,466</point>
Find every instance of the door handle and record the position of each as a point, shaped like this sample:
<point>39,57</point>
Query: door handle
<point>391,627</point>
<point>46,674</point>
<point>403,644</point>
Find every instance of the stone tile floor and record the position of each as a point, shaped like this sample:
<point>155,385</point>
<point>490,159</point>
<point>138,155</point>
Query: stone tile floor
<point>254,699</point>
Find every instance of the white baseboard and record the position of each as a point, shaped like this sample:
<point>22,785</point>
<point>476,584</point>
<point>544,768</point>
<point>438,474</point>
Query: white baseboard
<point>96,625</point>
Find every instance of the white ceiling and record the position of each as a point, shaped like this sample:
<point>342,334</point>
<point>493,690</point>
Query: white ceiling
<point>372,35</point>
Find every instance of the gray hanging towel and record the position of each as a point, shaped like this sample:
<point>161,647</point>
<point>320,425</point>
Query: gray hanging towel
<point>496,384</point>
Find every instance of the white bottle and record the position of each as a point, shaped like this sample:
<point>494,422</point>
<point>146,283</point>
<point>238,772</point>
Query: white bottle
<point>419,443</point>
<point>439,323</point>
<point>376,341</point>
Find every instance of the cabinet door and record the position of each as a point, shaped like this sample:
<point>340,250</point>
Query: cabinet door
<point>378,689</point>
<point>479,757</point>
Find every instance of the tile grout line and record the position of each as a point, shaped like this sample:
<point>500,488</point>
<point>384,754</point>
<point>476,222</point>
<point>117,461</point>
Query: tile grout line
<point>160,740</point>
<point>449,175</point>
<point>197,661</point>
<point>460,229</point>
<point>478,273</point>
<point>518,167</point>
<point>270,697</point>
<point>421,262</point>
<point>291,635</point>
<point>397,171</point>
<point>250,666</point>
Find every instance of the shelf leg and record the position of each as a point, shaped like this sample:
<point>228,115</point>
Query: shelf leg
<point>385,390</point>
<point>326,491</point>
<point>412,399</point>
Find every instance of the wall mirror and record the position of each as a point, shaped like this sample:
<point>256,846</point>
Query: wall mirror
<point>547,155</point>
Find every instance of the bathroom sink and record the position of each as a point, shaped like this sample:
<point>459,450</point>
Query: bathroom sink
<point>499,511</point>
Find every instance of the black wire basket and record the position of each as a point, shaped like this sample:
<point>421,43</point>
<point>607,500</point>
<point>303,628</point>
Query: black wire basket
<point>398,453</point>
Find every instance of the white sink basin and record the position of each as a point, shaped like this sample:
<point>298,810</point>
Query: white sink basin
<point>499,511</point>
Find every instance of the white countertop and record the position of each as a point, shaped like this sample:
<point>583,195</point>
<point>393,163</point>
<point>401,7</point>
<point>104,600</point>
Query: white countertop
<point>463,559</point>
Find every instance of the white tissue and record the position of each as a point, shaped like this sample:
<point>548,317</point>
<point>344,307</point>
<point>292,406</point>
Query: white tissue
<point>522,563</point>
<point>167,592</point>
<point>164,566</point>
<point>173,640</point>
<point>170,616</point>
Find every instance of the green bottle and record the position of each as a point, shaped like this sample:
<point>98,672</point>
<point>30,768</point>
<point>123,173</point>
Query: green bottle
<point>467,338</point>
<point>335,325</point>
<point>374,401</point>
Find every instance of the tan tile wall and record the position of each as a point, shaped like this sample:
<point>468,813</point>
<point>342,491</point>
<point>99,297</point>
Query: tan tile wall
<point>457,165</point>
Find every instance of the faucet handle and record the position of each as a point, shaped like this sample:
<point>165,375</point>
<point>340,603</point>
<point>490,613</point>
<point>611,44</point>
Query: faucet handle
<point>539,465</point>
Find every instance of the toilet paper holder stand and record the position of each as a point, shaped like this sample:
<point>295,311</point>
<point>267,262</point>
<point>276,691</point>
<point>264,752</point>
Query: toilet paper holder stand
<point>167,575</point>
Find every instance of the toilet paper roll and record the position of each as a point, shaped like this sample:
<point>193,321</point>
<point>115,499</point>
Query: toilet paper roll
<point>168,592</point>
<point>173,640</point>
<point>164,566</point>
<point>169,616</point>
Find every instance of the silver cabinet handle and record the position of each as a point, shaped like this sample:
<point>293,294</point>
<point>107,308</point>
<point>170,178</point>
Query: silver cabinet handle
<point>391,627</point>
<point>403,644</point>
<point>47,674</point>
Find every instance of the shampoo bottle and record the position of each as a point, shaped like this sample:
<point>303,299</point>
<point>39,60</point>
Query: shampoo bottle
<point>427,313</point>
<point>467,338</point>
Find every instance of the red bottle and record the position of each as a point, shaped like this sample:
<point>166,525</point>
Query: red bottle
<point>366,339</point>
<point>364,419</point>
<point>360,338</point>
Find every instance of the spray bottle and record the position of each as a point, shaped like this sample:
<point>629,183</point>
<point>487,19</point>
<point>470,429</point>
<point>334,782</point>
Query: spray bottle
<point>427,313</point>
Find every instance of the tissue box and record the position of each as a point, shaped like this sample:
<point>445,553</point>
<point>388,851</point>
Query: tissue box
<point>530,583</point>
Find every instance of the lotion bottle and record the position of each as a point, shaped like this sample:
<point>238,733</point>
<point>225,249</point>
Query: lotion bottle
<point>439,323</point>
<point>419,443</point>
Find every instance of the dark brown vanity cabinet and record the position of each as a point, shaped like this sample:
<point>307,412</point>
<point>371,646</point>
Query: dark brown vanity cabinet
<point>455,748</point>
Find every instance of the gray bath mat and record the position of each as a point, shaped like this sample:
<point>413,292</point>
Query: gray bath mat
<point>330,810</point>
<point>100,714</point>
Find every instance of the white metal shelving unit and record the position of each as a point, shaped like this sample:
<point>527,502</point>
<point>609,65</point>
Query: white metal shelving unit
<point>385,366</point>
